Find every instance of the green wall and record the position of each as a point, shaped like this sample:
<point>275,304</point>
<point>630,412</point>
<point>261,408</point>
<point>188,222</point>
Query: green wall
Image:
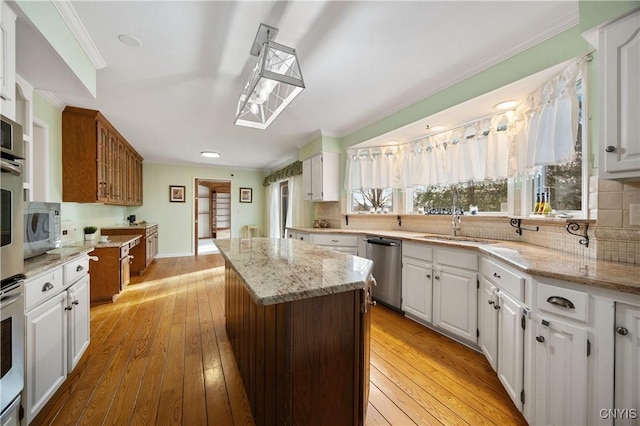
<point>176,219</point>
<point>595,13</point>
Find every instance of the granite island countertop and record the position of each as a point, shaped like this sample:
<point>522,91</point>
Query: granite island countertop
<point>534,260</point>
<point>284,270</point>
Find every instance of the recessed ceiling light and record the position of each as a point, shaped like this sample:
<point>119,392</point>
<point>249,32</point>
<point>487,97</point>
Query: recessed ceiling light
<point>210,154</point>
<point>129,40</point>
<point>506,105</point>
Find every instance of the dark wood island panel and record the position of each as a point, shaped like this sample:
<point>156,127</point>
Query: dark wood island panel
<point>304,362</point>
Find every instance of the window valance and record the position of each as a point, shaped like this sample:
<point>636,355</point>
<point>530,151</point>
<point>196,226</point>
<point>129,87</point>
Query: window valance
<point>291,170</point>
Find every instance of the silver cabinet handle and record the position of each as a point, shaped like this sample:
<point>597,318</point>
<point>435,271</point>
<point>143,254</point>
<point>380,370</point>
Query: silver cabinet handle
<point>496,306</point>
<point>334,241</point>
<point>622,331</point>
<point>79,268</point>
<point>68,308</point>
<point>75,302</point>
<point>610,148</point>
<point>561,301</point>
<point>495,274</point>
<point>540,339</point>
<point>47,287</point>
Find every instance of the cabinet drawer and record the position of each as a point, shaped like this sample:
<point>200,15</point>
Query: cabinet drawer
<point>504,278</point>
<point>43,287</point>
<point>418,251</point>
<point>75,269</point>
<point>124,251</point>
<point>562,301</point>
<point>335,240</point>
<point>457,258</point>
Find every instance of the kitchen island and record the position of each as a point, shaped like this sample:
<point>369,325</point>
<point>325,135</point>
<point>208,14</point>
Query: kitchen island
<point>298,319</point>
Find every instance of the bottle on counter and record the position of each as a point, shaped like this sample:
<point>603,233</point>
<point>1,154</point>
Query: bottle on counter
<point>543,202</point>
<point>537,206</point>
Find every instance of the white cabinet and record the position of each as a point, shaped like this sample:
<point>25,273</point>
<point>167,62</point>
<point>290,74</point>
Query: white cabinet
<point>56,329</point>
<point>560,373</point>
<point>8,61</point>
<point>511,347</point>
<point>620,99</point>
<point>337,242</point>
<point>455,302</point>
<point>627,363</point>
<point>417,282</point>
<point>320,175</point>
<point>488,321</point>
<point>45,352</point>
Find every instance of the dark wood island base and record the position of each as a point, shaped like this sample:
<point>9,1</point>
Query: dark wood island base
<point>303,362</point>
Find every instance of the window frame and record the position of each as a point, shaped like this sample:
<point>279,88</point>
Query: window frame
<point>395,202</point>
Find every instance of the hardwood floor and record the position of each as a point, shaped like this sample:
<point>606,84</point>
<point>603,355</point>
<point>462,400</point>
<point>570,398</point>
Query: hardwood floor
<point>160,355</point>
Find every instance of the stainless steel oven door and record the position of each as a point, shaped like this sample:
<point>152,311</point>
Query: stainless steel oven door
<point>12,337</point>
<point>11,219</point>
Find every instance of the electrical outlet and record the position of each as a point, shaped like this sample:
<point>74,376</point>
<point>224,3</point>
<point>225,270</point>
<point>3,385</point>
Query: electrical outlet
<point>634,214</point>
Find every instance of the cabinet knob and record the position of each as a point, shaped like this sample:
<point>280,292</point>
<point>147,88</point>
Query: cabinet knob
<point>491,302</point>
<point>540,339</point>
<point>437,277</point>
<point>428,275</point>
<point>496,306</point>
<point>622,331</point>
<point>610,148</point>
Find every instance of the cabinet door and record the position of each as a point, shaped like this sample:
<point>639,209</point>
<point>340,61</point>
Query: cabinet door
<point>316,178</point>
<point>560,374</point>
<point>620,67</point>
<point>511,348</point>
<point>306,180</point>
<point>102,163</point>
<point>8,61</point>
<point>455,302</point>
<point>78,320</point>
<point>488,322</point>
<point>46,352</point>
<point>417,288</point>
<point>627,362</point>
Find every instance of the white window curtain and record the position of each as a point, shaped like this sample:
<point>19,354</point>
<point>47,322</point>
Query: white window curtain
<point>273,210</point>
<point>297,207</point>
<point>552,120</point>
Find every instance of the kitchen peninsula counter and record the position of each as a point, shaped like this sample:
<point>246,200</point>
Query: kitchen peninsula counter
<point>298,320</point>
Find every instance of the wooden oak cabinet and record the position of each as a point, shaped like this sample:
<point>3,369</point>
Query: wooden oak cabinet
<point>111,274</point>
<point>98,164</point>
<point>143,253</point>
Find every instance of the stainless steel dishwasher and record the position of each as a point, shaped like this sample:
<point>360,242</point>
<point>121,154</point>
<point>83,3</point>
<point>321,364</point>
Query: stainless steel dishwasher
<point>386,254</point>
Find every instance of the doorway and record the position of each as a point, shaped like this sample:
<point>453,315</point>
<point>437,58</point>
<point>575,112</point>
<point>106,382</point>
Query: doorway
<point>212,215</point>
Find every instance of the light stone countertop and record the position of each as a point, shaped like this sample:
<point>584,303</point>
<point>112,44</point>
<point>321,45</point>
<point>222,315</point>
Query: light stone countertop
<point>534,260</point>
<point>284,270</point>
<point>53,258</point>
<point>116,241</point>
<point>136,225</point>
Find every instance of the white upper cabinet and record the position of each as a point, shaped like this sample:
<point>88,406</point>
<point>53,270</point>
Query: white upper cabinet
<point>8,61</point>
<point>320,176</point>
<point>620,99</point>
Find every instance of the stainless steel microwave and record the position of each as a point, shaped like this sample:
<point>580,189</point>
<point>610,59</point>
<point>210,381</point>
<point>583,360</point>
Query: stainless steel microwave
<point>41,228</point>
<point>11,139</point>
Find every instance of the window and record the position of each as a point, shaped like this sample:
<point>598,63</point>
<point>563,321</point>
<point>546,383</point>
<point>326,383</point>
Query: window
<point>284,207</point>
<point>488,196</point>
<point>372,200</point>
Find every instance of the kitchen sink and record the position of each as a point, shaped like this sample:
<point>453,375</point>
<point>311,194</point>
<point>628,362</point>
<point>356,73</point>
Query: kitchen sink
<point>451,238</point>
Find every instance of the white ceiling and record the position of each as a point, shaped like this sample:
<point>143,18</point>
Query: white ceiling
<point>361,60</point>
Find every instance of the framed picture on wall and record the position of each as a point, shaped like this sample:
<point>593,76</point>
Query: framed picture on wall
<point>176,194</point>
<point>246,195</point>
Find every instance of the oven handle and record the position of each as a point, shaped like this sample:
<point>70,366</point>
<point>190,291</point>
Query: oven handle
<point>9,300</point>
<point>11,167</point>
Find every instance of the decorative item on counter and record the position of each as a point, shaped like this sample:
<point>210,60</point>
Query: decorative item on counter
<point>420,210</point>
<point>90,233</point>
<point>473,209</point>
<point>316,223</point>
<point>324,224</point>
<point>104,238</point>
<point>132,219</point>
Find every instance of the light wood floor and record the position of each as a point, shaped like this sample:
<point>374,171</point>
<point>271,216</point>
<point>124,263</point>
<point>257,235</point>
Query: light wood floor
<point>160,355</point>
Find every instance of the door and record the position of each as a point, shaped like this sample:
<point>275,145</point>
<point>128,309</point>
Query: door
<point>455,302</point>
<point>46,352</point>
<point>488,322</point>
<point>627,363</point>
<point>417,288</point>
<point>511,347</point>
<point>560,373</point>
<point>78,320</point>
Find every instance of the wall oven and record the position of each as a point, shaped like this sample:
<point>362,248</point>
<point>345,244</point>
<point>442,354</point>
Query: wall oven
<point>11,348</point>
<point>11,210</point>
<point>41,228</point>
<point>11,138</point>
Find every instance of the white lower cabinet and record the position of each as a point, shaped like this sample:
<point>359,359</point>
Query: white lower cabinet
<point>488,322</point>
<point>46,352</point>
<point>56,330</point>
<point>511,347</point>
<point>560,373</point>
<point>455,302</point>
<point>336,242</point>
<point>417,288</point>
<point>627,364</point>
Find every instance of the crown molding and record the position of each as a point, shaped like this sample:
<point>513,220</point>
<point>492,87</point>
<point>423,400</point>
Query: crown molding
<point>52,99</point>
<point>79,31</point>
